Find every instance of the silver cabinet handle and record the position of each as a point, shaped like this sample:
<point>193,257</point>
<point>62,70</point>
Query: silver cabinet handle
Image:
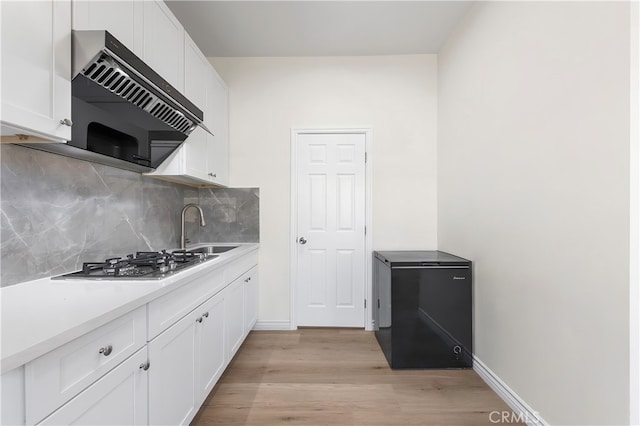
<point>106,351</point>
<point>302,240</point>
<point>145,365</point>
<point>212,174</point>
<point>199,319</point>
<point>206,315</point>
<point>66,122</point>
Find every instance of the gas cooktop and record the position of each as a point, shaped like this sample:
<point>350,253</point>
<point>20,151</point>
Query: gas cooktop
<point>143,265</point>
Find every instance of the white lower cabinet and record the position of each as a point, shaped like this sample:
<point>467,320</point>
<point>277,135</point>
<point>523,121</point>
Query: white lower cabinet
<point>12,411</point>
<point>153,366</point>
<point>189,357</point>
<point>118,398</point>
<point>210,348</point>
<point>234,316</point>
<point>54,378</point>
<point>188,360</point>
<point>172,388</point>
<point>250,299</point>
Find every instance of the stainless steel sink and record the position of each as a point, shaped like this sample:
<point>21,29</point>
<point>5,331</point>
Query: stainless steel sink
<point>209,256</point>
<point>210,250</point>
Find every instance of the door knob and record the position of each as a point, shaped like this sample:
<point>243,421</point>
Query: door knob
<point>302,240</point>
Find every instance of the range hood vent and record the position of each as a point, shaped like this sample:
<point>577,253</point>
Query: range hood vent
<point>124,114</point>
<point>106,72</point>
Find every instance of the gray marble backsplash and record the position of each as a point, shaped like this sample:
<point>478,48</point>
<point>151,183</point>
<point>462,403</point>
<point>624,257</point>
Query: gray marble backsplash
<point>231,215</point>
<point>58,212</point>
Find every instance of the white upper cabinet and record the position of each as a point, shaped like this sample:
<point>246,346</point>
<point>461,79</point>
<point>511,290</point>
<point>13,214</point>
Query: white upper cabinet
<point>216,119</point>
<point>195,73</point>
<point>207,156</point>
<point>195,156</point>
<point>202,159</point>
<point>36,75</point>
<point>196,69</point>
<point>123,19</point>
<point>148,28</point>
<point>36,69</point>
<point>163,42</point>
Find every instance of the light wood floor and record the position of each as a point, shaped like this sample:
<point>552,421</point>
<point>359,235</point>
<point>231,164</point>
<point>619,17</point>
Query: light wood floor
<point>339,377</point>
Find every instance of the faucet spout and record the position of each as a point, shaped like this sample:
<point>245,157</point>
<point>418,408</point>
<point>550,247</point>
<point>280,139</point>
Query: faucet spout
<point>183,237</point>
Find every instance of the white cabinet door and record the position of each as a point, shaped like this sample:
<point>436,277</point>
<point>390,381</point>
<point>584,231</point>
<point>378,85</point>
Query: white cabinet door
<point>163,42</point>
<point>234,317</point>
<point>210,346</point>
<point>207,156</point>
<point>203,158</point>
<point>119,398</point>
<point>196,72</point>
<point>250,299</point>
<point>12,402</point>
<point>36,68</point>
<point>172,376</point>
<point>122,18</point>
<point>196,155</point>
<point>217,120</point>
<point>196,69</point>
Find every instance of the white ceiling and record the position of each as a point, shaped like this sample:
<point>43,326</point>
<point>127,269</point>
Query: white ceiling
<point>318,28</point>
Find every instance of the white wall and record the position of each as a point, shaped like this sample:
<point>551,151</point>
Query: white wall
<point>634,215</point>
<point>393,95</point>
<point>533,185</point>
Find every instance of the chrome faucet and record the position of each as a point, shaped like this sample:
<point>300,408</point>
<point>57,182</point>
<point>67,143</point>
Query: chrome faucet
<point>183,239</point>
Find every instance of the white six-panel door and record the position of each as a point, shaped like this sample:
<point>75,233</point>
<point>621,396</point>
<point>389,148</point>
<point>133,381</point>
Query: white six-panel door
<point>330,198</point>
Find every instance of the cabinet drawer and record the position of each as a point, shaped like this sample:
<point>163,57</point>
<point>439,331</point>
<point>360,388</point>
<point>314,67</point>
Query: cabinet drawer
<point>170,308</point>
<point>240,266</point>
<point>57,376</point>
<point>118,398</point>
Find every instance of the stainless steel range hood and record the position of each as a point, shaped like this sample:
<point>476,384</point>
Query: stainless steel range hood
<point>124,114</point>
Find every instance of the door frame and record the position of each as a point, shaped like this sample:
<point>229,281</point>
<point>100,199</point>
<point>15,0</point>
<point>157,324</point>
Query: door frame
<point>368,249</point>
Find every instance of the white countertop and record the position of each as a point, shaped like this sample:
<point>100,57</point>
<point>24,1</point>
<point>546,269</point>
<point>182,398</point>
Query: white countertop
<point>38,316</point>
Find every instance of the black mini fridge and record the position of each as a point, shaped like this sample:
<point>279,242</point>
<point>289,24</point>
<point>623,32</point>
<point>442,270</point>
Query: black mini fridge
<point>423,314</point>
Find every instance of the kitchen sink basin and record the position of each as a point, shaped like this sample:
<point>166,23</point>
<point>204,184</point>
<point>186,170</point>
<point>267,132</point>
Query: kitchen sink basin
<point>210,250</point>
<point>209,256</point>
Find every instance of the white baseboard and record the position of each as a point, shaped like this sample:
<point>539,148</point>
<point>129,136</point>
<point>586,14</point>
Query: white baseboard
<point>521,410</point>
<point>272,325</point>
